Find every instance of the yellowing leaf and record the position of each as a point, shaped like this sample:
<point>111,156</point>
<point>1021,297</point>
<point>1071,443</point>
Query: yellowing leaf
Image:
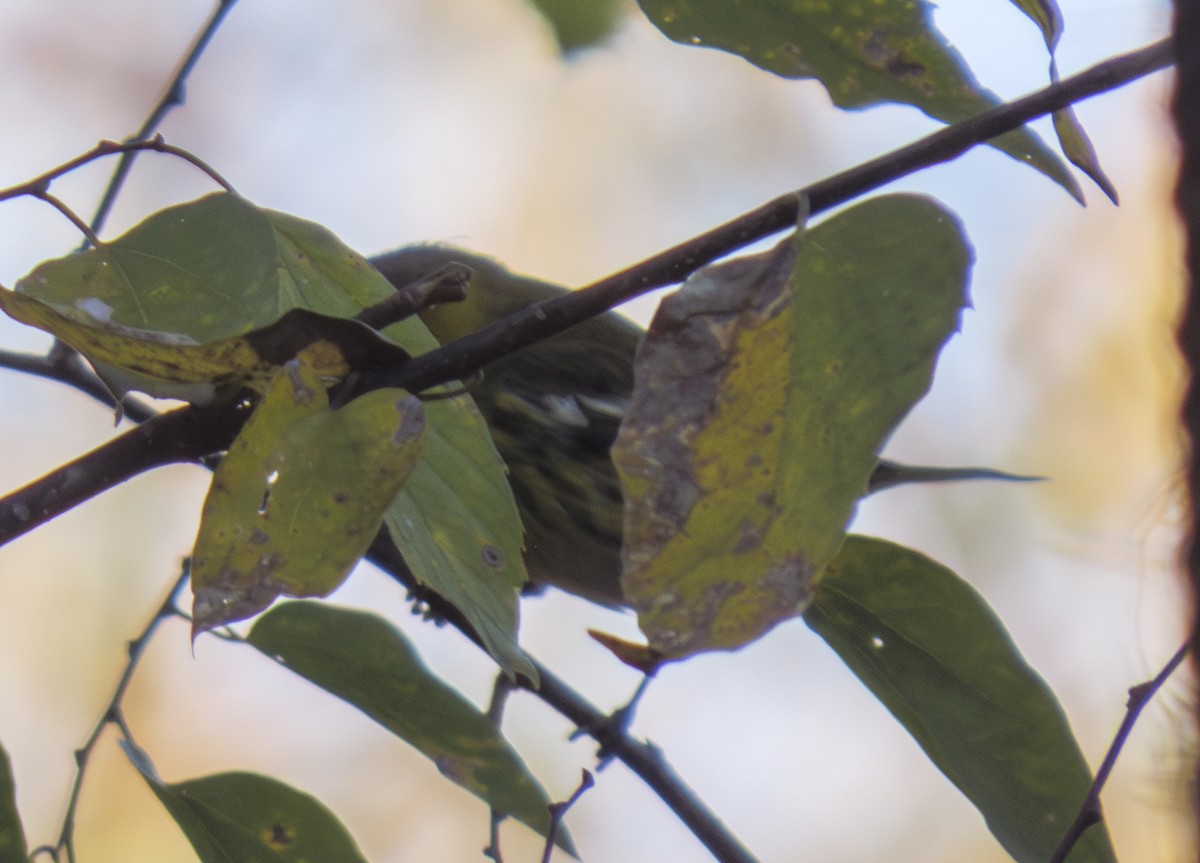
<point>172,365</point>
<point>765,390</point>
<point>164,365</point>
<point>300,495</point>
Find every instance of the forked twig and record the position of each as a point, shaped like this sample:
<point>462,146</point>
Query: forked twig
<point>111,715</point>
<point>172,98</point>
<point>1089,811</point>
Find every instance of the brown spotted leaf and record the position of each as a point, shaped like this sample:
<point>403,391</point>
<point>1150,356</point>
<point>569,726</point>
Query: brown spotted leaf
<point>863,53</point>
<point>300,495</point>
<point>765,389</point>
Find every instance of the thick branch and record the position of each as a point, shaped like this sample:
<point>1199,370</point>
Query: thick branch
<point>183,435</point>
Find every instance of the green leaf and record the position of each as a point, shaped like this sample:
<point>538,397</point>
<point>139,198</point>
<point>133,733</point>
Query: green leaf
<point>1077,146</point>
<point>12,835</point>
<point>219,267</point>
<point>764,391</point>
<point>247,818</point>
<point>300,495</point>
<point>1071,136</point>
<point>365,661</point>
<point>579,24</point>
<point>455,523</point>
<point>198,274</point>
<point>929,647</point>
<point>864,53</point>
<point>210,269</point>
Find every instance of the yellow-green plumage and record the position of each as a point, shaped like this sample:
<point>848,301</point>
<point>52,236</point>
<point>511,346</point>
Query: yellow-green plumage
<point>553,409</point>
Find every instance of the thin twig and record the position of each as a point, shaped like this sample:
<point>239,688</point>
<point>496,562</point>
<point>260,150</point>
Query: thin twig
<point>1090,812</point>
<point>38,186</point>
<point>648,762</point>
<point>111,715</point>
<point>172,98</point>
<point>644,759</point>
<point>558,811</point>
<point>501,689</point>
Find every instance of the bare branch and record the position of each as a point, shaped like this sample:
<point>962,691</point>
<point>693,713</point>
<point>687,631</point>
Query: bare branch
<point>183,435</point>
<point>1089,812</point>
<point>172,98</point>
<point>675,264</point>
<point>39,186</point>
<point>111,715</point>
<point>1186,111</point>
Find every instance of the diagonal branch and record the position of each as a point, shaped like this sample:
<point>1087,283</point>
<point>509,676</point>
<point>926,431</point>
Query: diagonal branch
<point>46,498</point>
<point>1089,812</point>
<point>172,98</point>
<point>183,435</point>
<point>675,264</point>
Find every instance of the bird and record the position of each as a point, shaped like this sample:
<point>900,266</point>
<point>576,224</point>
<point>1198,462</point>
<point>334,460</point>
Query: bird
<point>554,409</point>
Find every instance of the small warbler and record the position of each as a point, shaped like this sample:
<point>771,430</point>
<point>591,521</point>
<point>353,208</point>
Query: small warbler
<point>553,410</point>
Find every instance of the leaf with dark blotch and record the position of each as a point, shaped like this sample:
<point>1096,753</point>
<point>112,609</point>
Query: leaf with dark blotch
<point>12,835</point>
<point>765,389</point>
<point>247,818</point>
<point>454,523</point>
<point>300,495</point>
<point>366,662</point>
<point>864,53</point>
<point>929,647</point>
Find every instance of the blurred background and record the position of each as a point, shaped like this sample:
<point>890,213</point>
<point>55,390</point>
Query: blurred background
<point>395,121</point>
